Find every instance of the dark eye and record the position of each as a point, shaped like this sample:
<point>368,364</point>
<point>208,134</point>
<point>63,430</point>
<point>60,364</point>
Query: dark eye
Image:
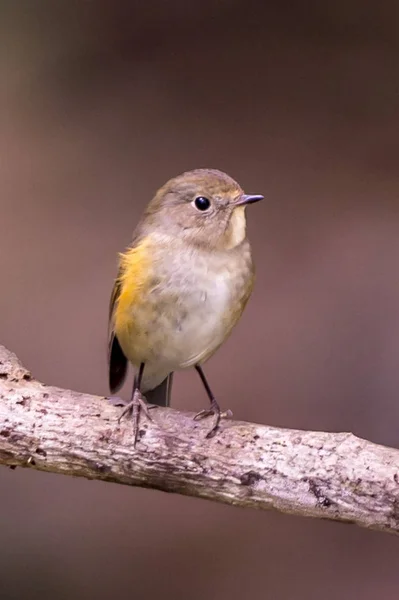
<point>202,203</point>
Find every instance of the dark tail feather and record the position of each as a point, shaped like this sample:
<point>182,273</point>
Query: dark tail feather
<point>161,394</point>
<point>117,365</point>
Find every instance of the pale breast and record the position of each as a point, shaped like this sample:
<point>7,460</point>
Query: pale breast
<point>190,308</point>
<point>209,314</point>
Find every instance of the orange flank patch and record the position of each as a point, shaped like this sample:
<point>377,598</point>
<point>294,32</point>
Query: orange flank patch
<point>134,279</point>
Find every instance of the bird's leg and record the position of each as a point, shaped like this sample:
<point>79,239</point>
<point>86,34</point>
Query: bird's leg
<point>136,404</point>
<point>214,408</point>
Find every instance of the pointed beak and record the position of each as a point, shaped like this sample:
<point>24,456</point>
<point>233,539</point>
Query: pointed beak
<point>248,199</point>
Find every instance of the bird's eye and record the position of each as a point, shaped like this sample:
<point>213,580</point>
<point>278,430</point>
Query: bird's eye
<point>202,203</point>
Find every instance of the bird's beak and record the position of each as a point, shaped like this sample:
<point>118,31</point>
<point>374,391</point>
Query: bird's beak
<point>248,199</point>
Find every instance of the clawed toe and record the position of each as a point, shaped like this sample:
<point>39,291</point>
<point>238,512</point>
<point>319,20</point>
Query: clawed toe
<point>137,405</point>
<point>213,411</point>
<point>203,413</point>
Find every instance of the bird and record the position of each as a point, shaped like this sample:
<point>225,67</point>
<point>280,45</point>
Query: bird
<point>181,286</point>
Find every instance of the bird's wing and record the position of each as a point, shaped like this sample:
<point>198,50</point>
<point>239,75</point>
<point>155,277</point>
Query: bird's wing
<point>131,259</point>
<point>117,361</point>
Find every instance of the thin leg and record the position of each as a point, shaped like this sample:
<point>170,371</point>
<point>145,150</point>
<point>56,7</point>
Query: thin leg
<point>136,404</point>
<point>214,408</point>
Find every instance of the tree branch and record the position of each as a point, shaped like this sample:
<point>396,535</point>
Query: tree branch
<point>327,475</point>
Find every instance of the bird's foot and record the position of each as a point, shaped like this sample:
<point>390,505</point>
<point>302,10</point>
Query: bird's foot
<point>137,405</point>
<point>213,410</point>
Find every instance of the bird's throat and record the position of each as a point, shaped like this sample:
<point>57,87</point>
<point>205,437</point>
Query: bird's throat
<point>236,230</point>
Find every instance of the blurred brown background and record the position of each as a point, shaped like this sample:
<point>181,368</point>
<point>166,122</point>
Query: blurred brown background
<point>100,103</point>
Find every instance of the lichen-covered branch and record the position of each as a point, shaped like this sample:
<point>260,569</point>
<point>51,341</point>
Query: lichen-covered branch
<point>327,475</point>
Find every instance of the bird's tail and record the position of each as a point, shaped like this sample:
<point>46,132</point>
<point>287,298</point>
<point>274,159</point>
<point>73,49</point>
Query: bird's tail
<point>161,394</point>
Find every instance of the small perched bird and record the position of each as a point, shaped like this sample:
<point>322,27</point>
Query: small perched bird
<point>181,287</point>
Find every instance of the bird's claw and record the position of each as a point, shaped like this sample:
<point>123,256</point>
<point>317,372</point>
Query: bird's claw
<point>215,411</point>
<point>133,409</point>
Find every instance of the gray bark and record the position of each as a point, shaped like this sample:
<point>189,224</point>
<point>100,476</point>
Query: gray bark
<point>326,475</point>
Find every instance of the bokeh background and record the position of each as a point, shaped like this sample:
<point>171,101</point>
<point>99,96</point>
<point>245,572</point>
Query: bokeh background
<point>100,103</point>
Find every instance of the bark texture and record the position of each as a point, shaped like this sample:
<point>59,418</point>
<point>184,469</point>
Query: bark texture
<point>326,475</point>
